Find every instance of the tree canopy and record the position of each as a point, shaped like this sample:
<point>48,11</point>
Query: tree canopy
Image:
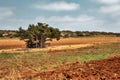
<point>38,34</point>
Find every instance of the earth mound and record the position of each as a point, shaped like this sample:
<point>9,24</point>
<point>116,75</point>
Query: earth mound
<point>108,69</point>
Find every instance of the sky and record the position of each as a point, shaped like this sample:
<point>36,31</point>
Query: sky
<point>75,15</point>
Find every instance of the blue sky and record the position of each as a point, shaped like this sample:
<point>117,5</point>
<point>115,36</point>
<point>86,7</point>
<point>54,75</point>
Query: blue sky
<point>82,15</point>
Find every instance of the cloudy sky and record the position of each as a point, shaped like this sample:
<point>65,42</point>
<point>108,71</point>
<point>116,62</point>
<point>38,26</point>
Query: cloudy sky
<point>82,15</point>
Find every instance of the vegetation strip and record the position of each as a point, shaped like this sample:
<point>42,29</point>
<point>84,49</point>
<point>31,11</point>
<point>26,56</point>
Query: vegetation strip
<point>28,64</point>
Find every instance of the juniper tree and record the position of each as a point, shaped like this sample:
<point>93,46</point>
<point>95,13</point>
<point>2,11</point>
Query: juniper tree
<point>38,34</point>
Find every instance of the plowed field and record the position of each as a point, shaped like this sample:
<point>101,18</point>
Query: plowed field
<point>108,69</point>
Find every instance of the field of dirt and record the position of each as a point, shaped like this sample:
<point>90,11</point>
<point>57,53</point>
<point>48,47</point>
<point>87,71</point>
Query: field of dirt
<point>64,65</point>
<point>108,69</point>
<point>16,43</point>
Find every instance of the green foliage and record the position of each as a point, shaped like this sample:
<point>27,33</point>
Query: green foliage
<point>87,33</point>
<point>37,34</point>
<point>66,36</point>
<point>8,33</point>
<point>38,30</point>
<point>1,34</point>
<point>22,33</point>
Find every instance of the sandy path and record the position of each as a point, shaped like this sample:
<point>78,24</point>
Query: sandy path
<point>52,48</point>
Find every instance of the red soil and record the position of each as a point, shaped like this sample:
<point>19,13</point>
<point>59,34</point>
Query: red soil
<point>108,69</point>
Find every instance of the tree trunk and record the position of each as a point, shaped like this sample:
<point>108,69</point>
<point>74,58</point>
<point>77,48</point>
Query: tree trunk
<point>42,42</point>
<point>36,42</point>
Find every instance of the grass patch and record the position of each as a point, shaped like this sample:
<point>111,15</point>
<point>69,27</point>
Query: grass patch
<point>44,61</point>
<point>94,56</point>
<point>6,55</point>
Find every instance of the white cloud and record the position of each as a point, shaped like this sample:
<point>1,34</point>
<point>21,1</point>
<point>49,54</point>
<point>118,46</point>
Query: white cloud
<point>109,1</point>
<point>15,23</point>
<point>112,9</point>
<point>58,6</point>
<point>81,18</point>
<point>113,26</point>
<point>5,12</point>
<point>81,22</point>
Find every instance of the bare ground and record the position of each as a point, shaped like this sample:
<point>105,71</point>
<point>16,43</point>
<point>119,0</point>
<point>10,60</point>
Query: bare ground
<point>108,69</point>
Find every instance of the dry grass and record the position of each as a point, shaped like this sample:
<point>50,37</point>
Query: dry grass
<point>16,43</point>
<point>25,66</point>
<point>11,43</point>
<point>85,40</point>
<point>50,49</point>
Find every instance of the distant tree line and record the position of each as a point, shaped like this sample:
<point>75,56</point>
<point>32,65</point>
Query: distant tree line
<point>68,33</point>
<point>8,33</point>
<point>64,33</point>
